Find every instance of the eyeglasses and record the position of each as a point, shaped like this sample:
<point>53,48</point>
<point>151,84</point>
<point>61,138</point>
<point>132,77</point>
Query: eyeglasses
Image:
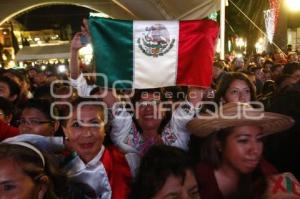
<point>33,122</point>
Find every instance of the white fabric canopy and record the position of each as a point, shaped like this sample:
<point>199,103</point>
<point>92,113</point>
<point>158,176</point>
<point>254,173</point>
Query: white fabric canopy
<point>170,9</point>
<point>44,52</point>
<point>123,9</point>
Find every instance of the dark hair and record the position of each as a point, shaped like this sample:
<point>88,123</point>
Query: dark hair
<point>226,81</point>
<point>159,162</point>
<point>220,64</point>
<point>252,67</point>
<point>275,66</point>
<point>13,73</point>
<point>290,68</point>
<point>42,105</point>
<point>31,164</point>
<point>209,152</point>
<point>43,92</point>
<point>14,88</point>
<point>269,87</point>
<point>6,106</point>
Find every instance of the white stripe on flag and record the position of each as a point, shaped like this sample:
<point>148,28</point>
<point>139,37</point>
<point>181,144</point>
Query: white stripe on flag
<point>155,53</point>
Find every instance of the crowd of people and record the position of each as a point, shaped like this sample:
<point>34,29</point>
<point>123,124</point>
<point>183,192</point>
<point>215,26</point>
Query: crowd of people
<point>64,137</point>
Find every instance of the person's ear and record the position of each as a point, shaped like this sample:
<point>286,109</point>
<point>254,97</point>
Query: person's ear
<point>44,181</point>
<point>56,125</point>
<point>8,118</point>
<point>104,129</point>
<point>66,132</point>
<point>12,98</point>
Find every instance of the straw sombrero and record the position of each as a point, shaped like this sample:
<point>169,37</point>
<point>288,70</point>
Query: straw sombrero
<point>238,114</point>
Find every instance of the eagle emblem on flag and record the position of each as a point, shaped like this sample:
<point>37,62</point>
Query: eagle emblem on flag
<point>155,41</point>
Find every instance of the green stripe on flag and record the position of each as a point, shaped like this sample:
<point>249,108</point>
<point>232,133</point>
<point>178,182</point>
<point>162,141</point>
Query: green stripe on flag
<point>113,50</point>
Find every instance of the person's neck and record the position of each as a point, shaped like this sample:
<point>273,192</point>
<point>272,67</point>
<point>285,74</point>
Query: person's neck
<point>87,158</point>
<point>150,134</point>
<point>227,179</point>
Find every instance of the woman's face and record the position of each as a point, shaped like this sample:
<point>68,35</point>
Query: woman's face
<point>148,112</point>
<point>15,184</point>
<point>5,92</point>
<point>243,149</point>
<point>238,91</point>
<point>33,121</point>
<point>85,131</point>
<point>175,188</point>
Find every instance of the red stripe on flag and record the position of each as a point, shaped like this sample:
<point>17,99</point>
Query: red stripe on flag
<point>197,39</point>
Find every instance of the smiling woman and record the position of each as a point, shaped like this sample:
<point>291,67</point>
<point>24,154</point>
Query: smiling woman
<point>231,155</point>
<point>104,169</point>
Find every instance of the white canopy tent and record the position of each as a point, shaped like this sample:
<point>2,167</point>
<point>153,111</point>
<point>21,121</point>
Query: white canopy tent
<point>44,52</point>
<point>169,9</point>
<point>123,9</point>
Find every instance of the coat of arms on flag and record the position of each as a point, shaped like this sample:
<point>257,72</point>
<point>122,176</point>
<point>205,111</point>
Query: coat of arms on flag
<point>155,40</point>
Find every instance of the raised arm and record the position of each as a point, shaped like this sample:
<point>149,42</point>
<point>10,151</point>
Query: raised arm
<point>76,45</point>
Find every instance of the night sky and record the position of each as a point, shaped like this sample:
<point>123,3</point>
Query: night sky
<point>54,16</point>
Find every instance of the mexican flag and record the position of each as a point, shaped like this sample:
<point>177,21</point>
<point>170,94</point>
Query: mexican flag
<point>152,54</point>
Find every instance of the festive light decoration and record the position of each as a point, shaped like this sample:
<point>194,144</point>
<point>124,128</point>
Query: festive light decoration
<point>269,16</point>
<point>275,4</point>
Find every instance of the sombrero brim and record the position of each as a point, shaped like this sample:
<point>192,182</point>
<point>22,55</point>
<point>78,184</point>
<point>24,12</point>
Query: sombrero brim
<point>269,122</point>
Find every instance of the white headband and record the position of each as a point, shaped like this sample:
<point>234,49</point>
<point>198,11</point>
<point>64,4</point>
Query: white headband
<point>27,145</point>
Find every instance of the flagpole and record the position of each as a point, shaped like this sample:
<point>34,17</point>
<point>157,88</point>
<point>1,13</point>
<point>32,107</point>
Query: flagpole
<point>222,29</point>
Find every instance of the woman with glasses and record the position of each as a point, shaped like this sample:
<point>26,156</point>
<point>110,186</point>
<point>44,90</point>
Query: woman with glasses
<point>36,118</point>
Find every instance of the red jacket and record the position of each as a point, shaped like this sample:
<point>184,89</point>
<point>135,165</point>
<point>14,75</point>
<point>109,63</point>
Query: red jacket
<point>118,172</point>
<point>7,131</point>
